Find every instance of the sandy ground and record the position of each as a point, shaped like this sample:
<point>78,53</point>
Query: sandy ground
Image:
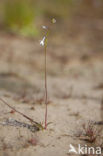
<point>75,92</point>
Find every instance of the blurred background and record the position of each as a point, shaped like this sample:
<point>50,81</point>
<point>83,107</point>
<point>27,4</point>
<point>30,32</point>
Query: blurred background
<point>74,71</point>
<point>75,41</point>
<point>76,19</point>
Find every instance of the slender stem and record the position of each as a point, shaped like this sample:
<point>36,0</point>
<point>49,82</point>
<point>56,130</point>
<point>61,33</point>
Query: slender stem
<point>19,112</point>
<point>46,92</point>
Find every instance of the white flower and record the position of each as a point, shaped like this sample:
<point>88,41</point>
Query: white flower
<point>42,42</point>
<point>44,27</point>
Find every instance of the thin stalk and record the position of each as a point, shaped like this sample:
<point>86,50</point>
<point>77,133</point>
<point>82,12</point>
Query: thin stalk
<point>31,120</point>
<point>46,91</point>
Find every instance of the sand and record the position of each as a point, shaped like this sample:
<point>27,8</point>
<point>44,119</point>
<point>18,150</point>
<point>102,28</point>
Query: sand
<point>75,92</point>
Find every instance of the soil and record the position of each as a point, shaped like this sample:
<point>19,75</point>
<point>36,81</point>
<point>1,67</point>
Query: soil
<point>75,93</point>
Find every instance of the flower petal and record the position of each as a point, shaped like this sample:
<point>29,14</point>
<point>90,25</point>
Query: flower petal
<point>44,27</point>
<point>42,42</point>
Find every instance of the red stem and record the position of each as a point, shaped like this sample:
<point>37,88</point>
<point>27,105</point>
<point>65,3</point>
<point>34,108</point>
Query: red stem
<point>46,92</point>
<point>18,112</point>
